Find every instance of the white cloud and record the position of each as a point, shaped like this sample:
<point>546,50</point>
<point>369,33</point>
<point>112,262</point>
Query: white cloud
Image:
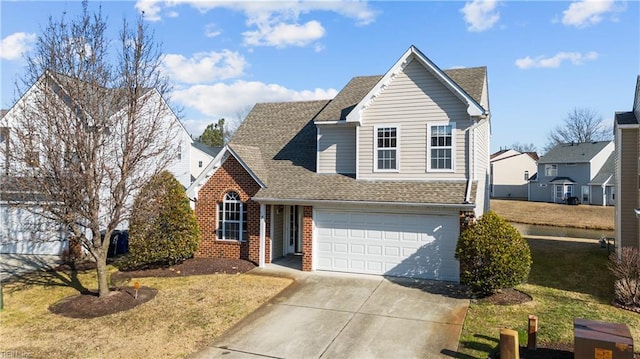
<point>480,15</point>
<point>589,12</point>
<point>150,8</point>
<point>223,100</point>
<point>555,61</point>
<point>272,23</point>
<point>283,35</point>
<point>211,30</point>
<point>204,66</point>
<point>13,46</point>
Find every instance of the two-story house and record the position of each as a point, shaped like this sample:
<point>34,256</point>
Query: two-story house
<point>574,170</point>
<point>377,180</point>
<point>510,173</point>
<point>22,229</point>
<point>627,167</point>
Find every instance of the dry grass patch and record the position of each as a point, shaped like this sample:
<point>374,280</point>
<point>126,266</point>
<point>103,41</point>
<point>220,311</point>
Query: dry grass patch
<point>555,214</point>
<point>186,315</point>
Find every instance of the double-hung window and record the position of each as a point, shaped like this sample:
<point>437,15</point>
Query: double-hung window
<point>232,218</point>
<point>551,170</point>
<point>386,149</point>
<point>441,147</point>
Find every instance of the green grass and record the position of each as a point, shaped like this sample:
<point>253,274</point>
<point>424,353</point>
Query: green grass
<point>568,280</point>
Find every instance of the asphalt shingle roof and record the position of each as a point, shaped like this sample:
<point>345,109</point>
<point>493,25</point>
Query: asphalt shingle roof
<point>573,152</point>
<point>213,151</point>
<point>471,80</point>
<point>626,118</point>
<point>285,135</point>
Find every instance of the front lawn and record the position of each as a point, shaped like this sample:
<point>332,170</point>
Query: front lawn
<point>187,314</point>
<point>568,280</point>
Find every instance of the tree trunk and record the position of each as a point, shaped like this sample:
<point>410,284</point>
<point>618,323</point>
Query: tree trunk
<point>103,280</point>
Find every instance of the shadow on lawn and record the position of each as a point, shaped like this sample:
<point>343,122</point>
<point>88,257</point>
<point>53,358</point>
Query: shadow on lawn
<point>34,270</point>
<point>571,266</point>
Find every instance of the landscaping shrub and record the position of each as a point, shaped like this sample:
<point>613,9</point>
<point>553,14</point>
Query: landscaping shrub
<point>163,228</point>
<point>493,255</point>
<point>626,269</point>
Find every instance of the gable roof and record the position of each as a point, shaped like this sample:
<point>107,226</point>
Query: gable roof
<point>573,152</point>
<point>473,79</point>
<point>607,173</point>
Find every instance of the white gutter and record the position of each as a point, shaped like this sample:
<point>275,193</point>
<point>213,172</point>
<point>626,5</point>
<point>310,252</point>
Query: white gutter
<point>311,202</point>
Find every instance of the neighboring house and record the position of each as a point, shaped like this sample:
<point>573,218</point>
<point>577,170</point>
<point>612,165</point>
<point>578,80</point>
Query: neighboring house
<point>201,155</point>
<point>21,230</point>
<point>569,170</point>
<point>627,166</point>
<point>510,173</point>
<point>377,180</point>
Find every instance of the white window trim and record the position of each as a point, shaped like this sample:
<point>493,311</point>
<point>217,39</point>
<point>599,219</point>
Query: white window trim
<point>219,213</point>
<point>549,165</point>
<point>375,149</point>
<point>453,146</point>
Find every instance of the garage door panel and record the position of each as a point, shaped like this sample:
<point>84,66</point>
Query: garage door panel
<point>420,246</point>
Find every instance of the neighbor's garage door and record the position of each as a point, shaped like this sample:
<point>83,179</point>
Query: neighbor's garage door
<point>23,232</point>
<point>418,246</point>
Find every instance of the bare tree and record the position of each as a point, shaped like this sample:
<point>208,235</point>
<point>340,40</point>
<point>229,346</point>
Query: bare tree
<point>92,129</point>
<point>524,147</point>
<point>580,126</point>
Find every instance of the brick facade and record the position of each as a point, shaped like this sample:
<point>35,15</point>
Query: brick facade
<point>231,176</point>
<point>307,238</point>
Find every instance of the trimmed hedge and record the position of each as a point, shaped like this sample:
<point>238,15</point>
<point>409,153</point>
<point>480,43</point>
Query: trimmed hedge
<point>493,255</point>
<point>163,228</point>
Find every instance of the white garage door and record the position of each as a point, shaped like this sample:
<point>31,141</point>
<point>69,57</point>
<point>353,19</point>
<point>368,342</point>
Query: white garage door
<point>23,232</point>
<point>406,245</point>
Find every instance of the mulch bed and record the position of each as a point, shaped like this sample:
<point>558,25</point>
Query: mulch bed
<point>85,306</point>
<point>193,266</point>
<point>89,305</point>
<point>508,297</point>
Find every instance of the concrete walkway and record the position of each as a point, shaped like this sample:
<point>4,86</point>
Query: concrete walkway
<point>332,315</point>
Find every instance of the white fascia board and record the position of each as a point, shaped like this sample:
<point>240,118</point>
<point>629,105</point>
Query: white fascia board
<point>313,202</point>
<point>208,171</point>
<point>474,109</point>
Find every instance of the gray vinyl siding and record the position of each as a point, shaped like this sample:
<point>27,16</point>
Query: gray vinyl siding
<point>410,102</point>
<point>277,240</point>
<point>336,149</point>
<point>628,196</point>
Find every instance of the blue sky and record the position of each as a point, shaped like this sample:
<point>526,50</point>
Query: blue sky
<point>543,58</point>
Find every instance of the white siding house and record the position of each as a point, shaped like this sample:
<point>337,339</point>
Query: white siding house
<point>23,231</point>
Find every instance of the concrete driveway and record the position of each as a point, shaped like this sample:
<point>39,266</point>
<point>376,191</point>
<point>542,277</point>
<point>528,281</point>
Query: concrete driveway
<point>329,315</point>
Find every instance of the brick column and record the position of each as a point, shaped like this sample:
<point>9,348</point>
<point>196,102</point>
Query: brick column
<point>307,238</point>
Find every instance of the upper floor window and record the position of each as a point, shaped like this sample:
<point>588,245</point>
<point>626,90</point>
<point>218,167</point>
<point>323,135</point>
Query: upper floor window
<point>551,170</point>
<point>440,151</point>
<point>526,175</point>
<point>200,164</point>
<point>4,134</point>
<point>179,152</point>
<point>232,218</point>
<point>386,149</point>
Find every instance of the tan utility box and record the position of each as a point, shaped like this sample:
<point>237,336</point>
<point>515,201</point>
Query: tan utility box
<point>601,340</point>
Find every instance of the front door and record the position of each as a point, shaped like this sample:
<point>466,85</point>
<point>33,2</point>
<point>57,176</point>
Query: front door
<point>292,230</point>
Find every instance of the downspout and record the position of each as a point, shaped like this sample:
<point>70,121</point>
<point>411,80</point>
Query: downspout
<point>263,232</point>
<point>472,163</point>
<point>604,191</point>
